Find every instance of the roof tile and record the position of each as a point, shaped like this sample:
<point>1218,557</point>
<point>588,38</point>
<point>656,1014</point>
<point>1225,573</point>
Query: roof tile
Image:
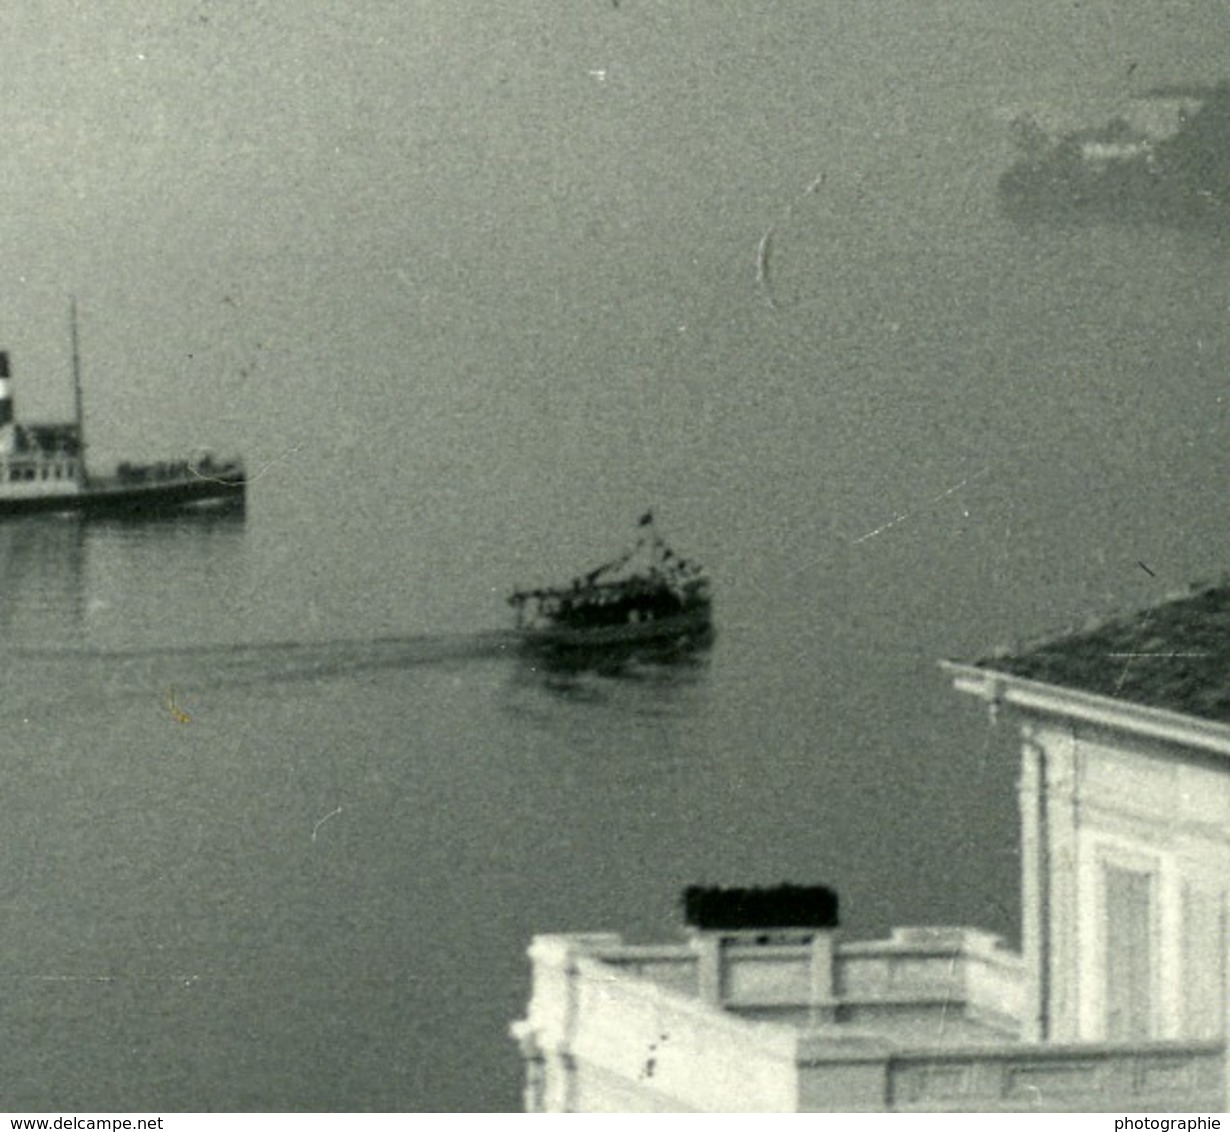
<point>1174,656</point>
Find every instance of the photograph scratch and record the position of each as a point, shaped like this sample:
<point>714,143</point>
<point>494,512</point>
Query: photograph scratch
<point>331,814</point>
<point>764,248</point>
<point>177,713</point>
<point>196,468</point>
<point>903,516</point>
<point>762,268</point>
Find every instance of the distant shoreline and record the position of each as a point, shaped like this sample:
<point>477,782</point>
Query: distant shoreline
<point>1164,160</point>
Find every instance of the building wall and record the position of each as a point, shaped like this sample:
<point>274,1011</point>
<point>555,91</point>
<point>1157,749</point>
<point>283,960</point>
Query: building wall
<point>605,1040</point>
<point>1085,1077</point>
<point>1126,858</point>
<point>602,1036</point>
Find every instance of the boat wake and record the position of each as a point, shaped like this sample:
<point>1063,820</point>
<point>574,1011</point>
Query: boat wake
<point>196,667</point>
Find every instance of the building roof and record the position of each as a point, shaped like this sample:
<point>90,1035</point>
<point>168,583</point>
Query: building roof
<point>1174,656</point>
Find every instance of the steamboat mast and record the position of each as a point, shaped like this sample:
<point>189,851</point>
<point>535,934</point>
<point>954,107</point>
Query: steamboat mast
<point>82,476</point>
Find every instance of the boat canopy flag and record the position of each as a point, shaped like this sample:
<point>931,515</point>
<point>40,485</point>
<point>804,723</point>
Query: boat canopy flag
<point>648,565</point>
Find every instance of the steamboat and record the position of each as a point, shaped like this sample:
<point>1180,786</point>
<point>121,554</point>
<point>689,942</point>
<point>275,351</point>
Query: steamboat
<point>43,469</point>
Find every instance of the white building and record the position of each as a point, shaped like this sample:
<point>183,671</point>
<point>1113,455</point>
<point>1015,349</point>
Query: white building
<point>1118,1001</point>
<point>1125,806</point>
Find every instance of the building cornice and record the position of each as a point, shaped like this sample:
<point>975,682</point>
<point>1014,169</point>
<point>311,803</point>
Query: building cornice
<point>1000,689</point>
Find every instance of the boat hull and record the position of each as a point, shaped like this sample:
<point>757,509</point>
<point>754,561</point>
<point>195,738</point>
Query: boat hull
<point>118,500</point>
<point>665,640</point>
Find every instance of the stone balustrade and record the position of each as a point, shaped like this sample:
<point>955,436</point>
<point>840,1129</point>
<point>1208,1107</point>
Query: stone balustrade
<point>927,1020</point>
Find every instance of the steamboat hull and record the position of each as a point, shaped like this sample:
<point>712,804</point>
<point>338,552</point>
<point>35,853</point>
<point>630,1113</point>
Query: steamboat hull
<point>113,499</point>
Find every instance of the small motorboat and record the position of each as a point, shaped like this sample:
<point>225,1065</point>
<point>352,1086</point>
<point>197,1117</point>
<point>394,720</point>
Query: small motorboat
<point>648,603</point>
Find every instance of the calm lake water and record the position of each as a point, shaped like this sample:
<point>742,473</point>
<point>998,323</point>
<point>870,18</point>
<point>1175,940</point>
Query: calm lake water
<point>746,271</point>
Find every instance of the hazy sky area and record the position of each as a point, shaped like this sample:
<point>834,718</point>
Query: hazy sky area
<point>334,193</point>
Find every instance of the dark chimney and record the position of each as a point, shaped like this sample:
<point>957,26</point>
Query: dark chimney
<point>750,909</point>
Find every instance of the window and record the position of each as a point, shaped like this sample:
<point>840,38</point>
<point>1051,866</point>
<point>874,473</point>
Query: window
<point>1129,954</point>
<point>1204,959</point>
